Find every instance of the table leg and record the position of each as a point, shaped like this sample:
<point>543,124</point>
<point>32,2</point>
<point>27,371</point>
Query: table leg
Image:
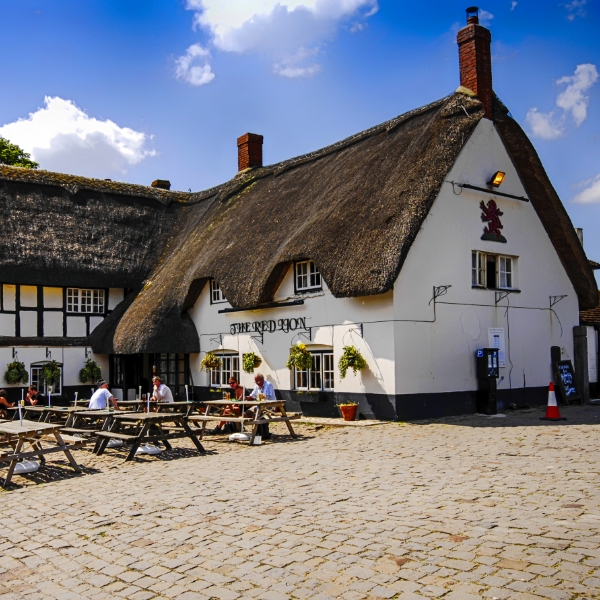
<point>137,442</point>
<point>287,422</point>
<point>188,430</point>
<point>13,463</point>
<point>37,445</point>
<point>101,443</point>
<point>67,452</point>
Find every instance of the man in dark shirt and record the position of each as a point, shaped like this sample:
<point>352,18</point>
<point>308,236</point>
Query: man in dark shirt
<point>33,396</point>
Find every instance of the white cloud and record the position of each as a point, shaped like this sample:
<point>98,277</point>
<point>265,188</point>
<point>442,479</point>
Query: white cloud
<point>194,74</point>
<point>485,17</point>
<point>62,137</point>
<point>545,125</point>
<point>513,5</point>
<point>277,28</point>
<point>575,9</point>
<point>571,101</point>
<point>591,195</point>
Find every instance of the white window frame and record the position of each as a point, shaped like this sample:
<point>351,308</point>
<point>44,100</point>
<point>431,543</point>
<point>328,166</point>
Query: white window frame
<point>307,276</point>
<point>34,379</point>
<point>216,295</point>
<point>86,301</point>
<point>505,270</point>
<point>304,380</point>
<point>230,367</point>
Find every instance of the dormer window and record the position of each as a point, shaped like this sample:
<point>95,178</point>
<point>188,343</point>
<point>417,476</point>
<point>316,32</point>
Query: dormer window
<point>216,295</point>
<point>308,277</point>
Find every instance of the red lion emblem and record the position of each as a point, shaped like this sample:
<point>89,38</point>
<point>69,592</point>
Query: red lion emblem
<point>491,214</point>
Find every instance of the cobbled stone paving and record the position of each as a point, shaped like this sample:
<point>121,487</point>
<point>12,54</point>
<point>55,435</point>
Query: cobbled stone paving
<point>457,508</point>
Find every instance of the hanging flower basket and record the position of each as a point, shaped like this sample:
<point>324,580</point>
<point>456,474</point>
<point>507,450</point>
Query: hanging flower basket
<point>353,359</point>
<point>16,373</point>
<point>251,361</point>
<point>210,361</point>
<point>300,358</point>
<point>50,373</point>
<point>90,372</point>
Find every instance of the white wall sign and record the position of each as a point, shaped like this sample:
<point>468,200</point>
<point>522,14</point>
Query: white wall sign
<point>496,340</point>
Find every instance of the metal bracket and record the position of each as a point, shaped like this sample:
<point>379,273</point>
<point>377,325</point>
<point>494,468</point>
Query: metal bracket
<point>217,340</point>
<point>501,295</point>
<point>88,353</point>
<point>556,299</point>
<point>15,355</point>
<point>259,337</point>
<point>307,335</point>
<point>440,290</point>
<point>48,354</point>
<point>360,330</point>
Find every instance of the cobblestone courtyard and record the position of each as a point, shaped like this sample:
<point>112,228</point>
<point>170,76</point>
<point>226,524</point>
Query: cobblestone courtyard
<point>456,508</point>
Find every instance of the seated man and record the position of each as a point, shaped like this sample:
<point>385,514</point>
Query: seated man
<point>101,397</point>
<point>161,392</point>
<point>33,397</point>
<point>266,389</point>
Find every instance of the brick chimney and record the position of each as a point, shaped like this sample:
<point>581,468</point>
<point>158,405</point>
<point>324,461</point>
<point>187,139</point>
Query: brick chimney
<point>162,184</point>
<point>250,151</point>
<point>476,60</point>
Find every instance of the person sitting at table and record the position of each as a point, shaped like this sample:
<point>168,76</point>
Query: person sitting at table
<point>230,409</point>
<point>265,388</point>
<point>33,397</point>
<point>161,392</point>
<point>102,396</point>
<point>4,403</point>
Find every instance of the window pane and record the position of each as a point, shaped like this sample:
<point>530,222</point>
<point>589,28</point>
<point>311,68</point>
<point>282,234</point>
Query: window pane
<point>315,372</point>
<point>474,278</point>
<point>301,379</point>
<point>328,371</point>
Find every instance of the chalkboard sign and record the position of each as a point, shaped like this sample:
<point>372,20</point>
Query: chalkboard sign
<point>565,379</point>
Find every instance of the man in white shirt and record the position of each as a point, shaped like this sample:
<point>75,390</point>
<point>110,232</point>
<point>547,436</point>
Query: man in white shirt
<point>263,387</point>
<point>161,392</point>
<point>101,397</point>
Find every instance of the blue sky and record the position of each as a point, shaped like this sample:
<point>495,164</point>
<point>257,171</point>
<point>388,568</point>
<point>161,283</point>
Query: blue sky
<point>136,90</point>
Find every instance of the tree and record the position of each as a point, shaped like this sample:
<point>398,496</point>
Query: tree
<point>11,154</point>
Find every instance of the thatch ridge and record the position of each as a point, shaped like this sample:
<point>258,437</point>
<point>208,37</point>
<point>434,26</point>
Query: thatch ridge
<point>354,208</point>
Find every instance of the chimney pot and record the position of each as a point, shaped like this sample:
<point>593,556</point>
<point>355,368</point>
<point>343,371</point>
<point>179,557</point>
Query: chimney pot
<point>475,59</point>
<point>162,184</point>
<point>250,151</point>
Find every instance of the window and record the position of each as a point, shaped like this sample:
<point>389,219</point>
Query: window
<point>230,367</point>
<point>35,378</point>
<point>307,276</point>
<point>320,377</point>
<point>173,370</point>
<point>492,271</point>
<point>216,295</point>
<point>85,301</point>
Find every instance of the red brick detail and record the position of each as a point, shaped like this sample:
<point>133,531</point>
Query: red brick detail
<point>249,151</point>
<point>475,58</point>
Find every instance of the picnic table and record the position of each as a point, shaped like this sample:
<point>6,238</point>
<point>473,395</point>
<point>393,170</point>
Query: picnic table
<point>15,434</point>
<point>86,421</point>
<point>151,429</point>
<point>264,413</point>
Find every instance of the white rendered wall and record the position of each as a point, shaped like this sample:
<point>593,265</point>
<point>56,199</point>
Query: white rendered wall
<point>439,357</point>
<point>334,325</point>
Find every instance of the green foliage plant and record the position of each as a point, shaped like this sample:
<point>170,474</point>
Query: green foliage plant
<point>16,373</point>
<point>90,372</point>
<point>210,361</point>
<point>251,361</point>
<point>353,359</point>
<point>300,358</point>
<point>11,154</point>
<point>50,372</point>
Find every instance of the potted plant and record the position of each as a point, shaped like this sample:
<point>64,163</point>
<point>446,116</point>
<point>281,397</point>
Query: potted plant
<point>353,359</point>
<point>90,372</point>
<point>210,361</point>
<point>50,373</point>
<point>348,410</point>
<point>16,373</point>
<point>251,361</point>
<point>299,357</point>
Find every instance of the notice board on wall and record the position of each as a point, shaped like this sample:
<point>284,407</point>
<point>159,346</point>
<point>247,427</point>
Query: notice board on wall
<point>564,376</point>
<point>496,340</point>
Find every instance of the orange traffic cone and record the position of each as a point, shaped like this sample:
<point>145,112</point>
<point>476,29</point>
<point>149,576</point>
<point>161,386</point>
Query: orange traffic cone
<point>552,412</point>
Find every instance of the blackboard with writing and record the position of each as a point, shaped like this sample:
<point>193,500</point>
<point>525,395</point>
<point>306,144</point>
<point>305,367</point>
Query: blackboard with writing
<point>564,375</point>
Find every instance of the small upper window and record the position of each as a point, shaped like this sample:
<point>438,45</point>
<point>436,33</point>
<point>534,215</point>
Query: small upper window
<point>492,271</point>
<point>216,295</point>
<point>307,276</point>
<point>85,301</point>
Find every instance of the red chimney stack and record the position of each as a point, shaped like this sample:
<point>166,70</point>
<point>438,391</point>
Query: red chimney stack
<point>475,59</point>
<point>249,151</point>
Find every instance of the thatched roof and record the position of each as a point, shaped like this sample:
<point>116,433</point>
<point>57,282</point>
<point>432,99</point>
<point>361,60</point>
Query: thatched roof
<point>66,230</point>
<point>355,208</point>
